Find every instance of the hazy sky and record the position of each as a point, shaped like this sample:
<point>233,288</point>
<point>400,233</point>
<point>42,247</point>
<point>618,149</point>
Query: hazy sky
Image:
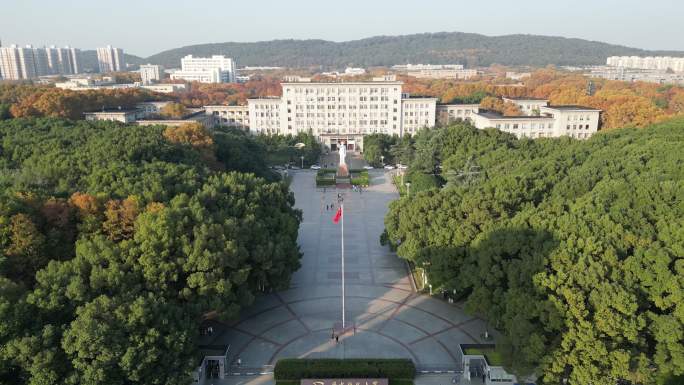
<point>145,27</point>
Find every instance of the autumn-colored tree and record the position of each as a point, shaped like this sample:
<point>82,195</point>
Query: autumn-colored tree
<point>85,204</point>
<point>120,218</point>
<point>174,111</point>
<point>192,134</point>
<point>25,251</point>
<point>492,103</point>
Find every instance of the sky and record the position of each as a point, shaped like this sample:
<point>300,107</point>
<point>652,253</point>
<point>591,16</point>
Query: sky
<point>146,27</point>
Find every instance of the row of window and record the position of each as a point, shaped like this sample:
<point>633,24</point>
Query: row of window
<point>342,107</point>
<point>576,127</point>
<point>341,90</point>
<point>516,126</point>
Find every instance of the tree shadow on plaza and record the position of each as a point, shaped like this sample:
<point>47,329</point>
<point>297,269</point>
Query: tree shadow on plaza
<point>497,278</point>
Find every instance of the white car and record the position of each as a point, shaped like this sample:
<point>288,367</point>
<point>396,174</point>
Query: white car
<point>368,167</point>
<point>402,166</point>
<point>389,167</point>
<point>315,167</point>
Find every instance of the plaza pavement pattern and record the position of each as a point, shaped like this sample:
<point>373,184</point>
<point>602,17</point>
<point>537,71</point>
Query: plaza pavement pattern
<point>389,319</point>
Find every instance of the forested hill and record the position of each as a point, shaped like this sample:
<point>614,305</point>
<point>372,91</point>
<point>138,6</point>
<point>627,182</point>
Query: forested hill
<point>445,47</point>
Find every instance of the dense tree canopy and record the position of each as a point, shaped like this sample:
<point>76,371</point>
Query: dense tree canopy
<point>572,249</point>
<point>116,241</point>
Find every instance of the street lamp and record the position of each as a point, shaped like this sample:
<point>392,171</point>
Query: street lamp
<point>408,188</point>
<point>302,158</point>
<point>382,160</point>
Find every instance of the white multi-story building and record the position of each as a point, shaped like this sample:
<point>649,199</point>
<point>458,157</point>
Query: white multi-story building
<point>215,69</point>
<point>528,106</point>
<point>151,73</point>
<point>342,111</point>
<point>111,59</point>
<point>664,63</point>
<point>552,121</point>
<point>17,63</point>
<point>448,113</point>
<point>230,116</point>
<point>436,71</point>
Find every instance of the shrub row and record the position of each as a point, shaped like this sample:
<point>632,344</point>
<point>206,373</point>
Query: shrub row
<point>296,369</point>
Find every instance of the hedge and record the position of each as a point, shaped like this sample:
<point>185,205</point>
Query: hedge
<point>326,171</point>
<point>361,178</point>
<point>289,369</point>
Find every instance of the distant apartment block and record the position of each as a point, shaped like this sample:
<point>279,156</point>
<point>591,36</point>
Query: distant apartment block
<point>17,63</point>
<point>663,63</point>
<point>151,73</point>
<point>215,69</point>
<point>63,61</point>
<point>110,59</point>
<point>635,75</point>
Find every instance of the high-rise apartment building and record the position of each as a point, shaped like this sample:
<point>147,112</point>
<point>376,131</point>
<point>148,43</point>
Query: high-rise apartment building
<point>215,69</point>
<point>17,63</point>
<point>111,59</point>
<point>151,73</point>
<point>63,61</point>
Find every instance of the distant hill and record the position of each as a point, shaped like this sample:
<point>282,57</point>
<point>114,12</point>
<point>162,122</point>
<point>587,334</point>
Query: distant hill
<point>89,60</point>
<point>436,48</point>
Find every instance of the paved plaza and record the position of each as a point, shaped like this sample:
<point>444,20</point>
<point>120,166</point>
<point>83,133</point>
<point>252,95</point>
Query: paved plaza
<point>388,318</point>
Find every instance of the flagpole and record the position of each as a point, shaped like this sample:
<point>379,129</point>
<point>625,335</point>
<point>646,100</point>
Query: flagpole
<point>343,309</point>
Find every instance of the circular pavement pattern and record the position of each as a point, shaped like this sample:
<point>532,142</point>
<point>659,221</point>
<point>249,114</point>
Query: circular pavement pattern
<point>386,318</point>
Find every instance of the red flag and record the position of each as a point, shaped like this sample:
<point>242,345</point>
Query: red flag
<point>338,215</point>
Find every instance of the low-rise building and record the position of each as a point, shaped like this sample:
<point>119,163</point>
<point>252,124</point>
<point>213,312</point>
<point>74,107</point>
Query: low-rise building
<point>165,88</point>
<point>115,115</point>
<point>448,113</point>
<point>552,121</point>
<point>528,106</point>
<point>230,116</point>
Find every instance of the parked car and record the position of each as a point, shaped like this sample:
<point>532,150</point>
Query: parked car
<point>315,167</point>
<point>389,167</point>
<point>368,167</point>
<point>402,166</point>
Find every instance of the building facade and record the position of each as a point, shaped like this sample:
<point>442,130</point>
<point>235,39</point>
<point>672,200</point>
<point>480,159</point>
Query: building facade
<point>344,112</point>
<point>110,59</point>
<point>449,113</point>
<point>552,121</point>
<point>151,73</point>
<point>230,116</point>
<point>63,61</point>
<point>341,111</point>
<point>19,63</point>
<point>215,69</point>
<point>663,63</point>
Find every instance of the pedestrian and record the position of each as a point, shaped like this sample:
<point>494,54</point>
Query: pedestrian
<point>333,334</point>
<point>337,339</point>
<point>239,361</point>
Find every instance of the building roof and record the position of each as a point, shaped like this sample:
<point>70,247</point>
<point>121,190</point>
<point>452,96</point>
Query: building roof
<point>495,115</point>
<point>458,104</point>
<point>525,99</point>
<point>369,82</point>
<point>111,111</point>
<point>573,108</point>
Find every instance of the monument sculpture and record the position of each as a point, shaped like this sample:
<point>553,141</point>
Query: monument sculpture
<point>342,169</point>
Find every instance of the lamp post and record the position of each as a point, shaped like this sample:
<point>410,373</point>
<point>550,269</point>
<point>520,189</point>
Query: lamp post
<point>302,158</point>
<point>408,188</point>
<point>382,160</point>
